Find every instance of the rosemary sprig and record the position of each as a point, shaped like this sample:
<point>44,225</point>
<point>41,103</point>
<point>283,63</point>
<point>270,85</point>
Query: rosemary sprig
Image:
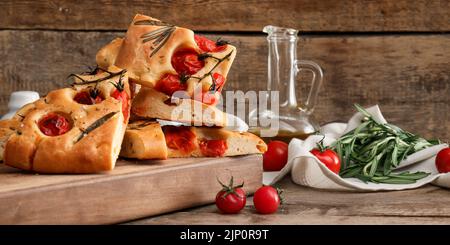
<point>151,23</point>
<point>99,122</point>
<point>109,76</point>
<point>373,150</point>
<point>159,36</point>
<point>213,86</point>
<point>140,125</point>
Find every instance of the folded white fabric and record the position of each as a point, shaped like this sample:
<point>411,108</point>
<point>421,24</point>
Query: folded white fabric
<point>307,170</point>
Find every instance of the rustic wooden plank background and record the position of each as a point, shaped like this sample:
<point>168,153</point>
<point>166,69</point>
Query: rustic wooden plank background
<point>228,15</point>
<point>394,53</point>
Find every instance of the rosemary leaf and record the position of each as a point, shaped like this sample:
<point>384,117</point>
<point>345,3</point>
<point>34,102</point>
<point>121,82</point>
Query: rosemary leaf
<point>373,150</point>
<point>99,122</point>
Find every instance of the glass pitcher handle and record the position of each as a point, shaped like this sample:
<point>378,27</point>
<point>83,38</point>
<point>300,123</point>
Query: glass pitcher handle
<point>315,83</point>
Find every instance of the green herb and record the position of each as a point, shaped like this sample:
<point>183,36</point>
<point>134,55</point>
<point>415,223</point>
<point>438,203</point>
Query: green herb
<point>140,125</point>
<point>373,150</point>
<point>109,76</point>
<point>213,86</point>
<point>159,36</point>
<point>99,122</point>
<point>151,23</point>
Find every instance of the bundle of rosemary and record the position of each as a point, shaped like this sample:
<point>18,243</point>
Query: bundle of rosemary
<point>373,150</point>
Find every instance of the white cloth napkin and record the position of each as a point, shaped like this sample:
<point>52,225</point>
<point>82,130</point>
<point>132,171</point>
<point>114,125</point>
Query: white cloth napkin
<point>307,170</point>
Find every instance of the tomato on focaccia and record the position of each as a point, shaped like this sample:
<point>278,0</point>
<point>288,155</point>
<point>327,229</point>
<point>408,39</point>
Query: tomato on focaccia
<point>88,97</point>
<point>121,95</point>
<point>169,84</point>
<point>210,46</point>
<point>179,138</point>
<point>187,62</point>
<point>213,148</point>
<point>54,124</point>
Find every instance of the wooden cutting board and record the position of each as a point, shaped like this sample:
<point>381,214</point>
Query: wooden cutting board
<point>134,189</point>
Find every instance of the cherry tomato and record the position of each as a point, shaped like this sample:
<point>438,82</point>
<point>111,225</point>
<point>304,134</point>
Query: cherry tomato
<point>187,62</point>
<point>169,84</point>
<point>329,158</point>
<point>218,80</point>
<point>275,158</point>
<point>231,199</point>
<point>121,95</point>
<point>179,138</point>
<point>267,200</point>
<point>213,148</point>
<point>208,45</point>
<point>54,124</point>
<point>86,98</point>
<point>443,161</point>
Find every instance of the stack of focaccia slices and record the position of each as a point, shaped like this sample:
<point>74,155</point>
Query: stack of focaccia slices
<point>83,129</point>
<point>71,130</point>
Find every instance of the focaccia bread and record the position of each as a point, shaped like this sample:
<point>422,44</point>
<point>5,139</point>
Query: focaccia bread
<point>150,103</point>
<point>168,59</point>
<point>148,140</point>
<point>73,130</point>
<point>7,128</point>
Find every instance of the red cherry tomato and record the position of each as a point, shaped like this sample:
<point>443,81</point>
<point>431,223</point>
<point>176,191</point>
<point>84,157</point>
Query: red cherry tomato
<point>85,98</point>
<point>187,62</point>
<point>179,138</point>
<point>231,199</point>
<point>121,95</point>
<point>329,158</point>
<point>169,84</point>
<point>213,148</point>
<point>208,45</point>
<point>266,200</point>
<point>275,158</point>
<point>443,161</point>
<point>218,80</point>
<point>54,124</point>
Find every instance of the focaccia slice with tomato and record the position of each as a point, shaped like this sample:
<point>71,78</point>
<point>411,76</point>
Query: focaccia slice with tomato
<point>73,130</point>
<point>150,103</point>
<point>147,140</point>
<point>168,59</point>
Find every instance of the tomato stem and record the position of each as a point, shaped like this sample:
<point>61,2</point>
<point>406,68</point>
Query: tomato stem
<point>321,146</point>
<point>229,189</point>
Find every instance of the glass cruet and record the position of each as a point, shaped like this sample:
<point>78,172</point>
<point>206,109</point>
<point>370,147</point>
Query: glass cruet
<point>294,117</point>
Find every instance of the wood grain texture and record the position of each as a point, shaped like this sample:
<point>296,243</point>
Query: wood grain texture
<point>407,75</point>
<point>132,190</point>
<point>427,205</point>
<point>227,15</point>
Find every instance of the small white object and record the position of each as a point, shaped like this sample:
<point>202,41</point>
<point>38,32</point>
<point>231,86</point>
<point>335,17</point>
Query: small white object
<point>307,170</point>
<point>17,100</point>
<point>171,123</point>
<point>234,123</point>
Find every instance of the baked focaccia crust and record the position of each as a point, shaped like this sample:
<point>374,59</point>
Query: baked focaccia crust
<point>7,128</point>
<point>93,131</point>
<point>148,140</point>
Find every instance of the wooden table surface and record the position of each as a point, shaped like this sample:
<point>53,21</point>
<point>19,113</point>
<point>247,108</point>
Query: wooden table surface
<point>426,205</point>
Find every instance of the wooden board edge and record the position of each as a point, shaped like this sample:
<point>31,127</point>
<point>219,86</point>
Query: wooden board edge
<point>130,198</point>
